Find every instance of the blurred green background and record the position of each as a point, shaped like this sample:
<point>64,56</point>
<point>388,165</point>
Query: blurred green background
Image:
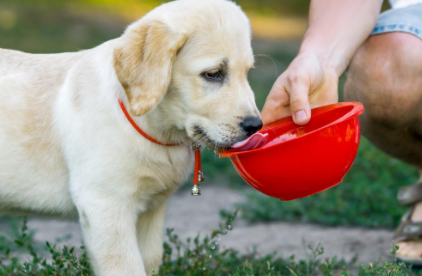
<point>367,197</point>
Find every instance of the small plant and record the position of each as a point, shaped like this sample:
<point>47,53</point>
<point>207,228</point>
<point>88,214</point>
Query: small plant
<point>388,269</point>
<point>200,256</point>
<point>63,262</point>
<point>203,256</point>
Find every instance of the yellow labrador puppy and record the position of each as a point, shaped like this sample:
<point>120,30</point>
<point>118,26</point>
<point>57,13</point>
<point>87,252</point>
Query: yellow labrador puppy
<point>67,149</point>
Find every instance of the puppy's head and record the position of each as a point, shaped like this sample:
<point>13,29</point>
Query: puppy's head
<point>189,60</point>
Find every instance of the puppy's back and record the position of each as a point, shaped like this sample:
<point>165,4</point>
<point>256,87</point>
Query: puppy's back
<point>12,62</point>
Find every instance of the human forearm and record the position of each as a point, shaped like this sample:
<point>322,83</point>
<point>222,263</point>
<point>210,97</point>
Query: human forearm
<point>337,28</point>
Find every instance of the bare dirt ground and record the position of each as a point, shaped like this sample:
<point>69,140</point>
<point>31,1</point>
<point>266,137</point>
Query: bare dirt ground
<point>192,215</point>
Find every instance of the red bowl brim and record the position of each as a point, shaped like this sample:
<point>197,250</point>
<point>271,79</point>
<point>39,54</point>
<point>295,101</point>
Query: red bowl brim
<point>357,109</point>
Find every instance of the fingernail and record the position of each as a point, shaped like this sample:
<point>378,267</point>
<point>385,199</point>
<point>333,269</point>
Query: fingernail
<point>300,116</point>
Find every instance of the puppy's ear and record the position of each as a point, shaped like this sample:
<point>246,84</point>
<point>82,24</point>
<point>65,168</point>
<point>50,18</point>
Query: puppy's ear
<point>144,63</point>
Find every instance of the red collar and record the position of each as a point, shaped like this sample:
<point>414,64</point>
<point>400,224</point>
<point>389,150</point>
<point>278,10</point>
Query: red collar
<point>138,129</point>
<point>198,175</point>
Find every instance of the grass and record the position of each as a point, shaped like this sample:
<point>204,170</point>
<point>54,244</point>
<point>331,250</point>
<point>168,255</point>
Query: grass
<point>197,256</point>
<point>50,27</point>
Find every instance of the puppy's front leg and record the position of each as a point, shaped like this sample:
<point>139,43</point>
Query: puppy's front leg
<point>109,228</point>
<point>150,236</point>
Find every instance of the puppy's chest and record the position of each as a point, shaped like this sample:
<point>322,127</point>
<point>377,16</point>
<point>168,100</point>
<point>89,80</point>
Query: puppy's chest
<point>164,172</point>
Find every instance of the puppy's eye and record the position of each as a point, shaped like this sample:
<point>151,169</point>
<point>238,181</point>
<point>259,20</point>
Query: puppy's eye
<point>213,75</point>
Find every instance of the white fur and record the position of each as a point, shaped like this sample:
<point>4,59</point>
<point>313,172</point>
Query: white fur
<point>66,148</point>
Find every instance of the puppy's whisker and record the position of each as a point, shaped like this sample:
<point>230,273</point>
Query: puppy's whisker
<point>270,58</point>
<point>203,139</point>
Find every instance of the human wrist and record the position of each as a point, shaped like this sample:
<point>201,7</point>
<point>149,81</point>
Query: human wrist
<point>334,50</point>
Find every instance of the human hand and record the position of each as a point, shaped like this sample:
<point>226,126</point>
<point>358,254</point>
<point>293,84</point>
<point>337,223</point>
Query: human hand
<point>307,83</point>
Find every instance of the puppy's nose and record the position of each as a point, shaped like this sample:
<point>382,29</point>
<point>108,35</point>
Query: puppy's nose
<point>251,125</point>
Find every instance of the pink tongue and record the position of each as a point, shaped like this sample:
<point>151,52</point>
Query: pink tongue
<point>255,141</point>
